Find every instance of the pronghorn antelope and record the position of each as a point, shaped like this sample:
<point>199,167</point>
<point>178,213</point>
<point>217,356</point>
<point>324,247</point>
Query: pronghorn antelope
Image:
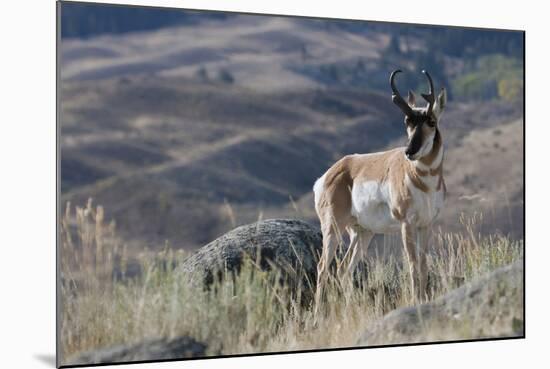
<point>385,192</point>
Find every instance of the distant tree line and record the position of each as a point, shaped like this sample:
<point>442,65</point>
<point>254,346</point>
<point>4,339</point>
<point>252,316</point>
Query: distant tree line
<point>487,64</point>
<point>471,63</point>
<point>85,20</point>
<point>452,41</point>
<point>490,62</point>
<point>490,76</point>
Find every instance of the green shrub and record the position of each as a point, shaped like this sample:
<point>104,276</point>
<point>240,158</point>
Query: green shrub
<point>490,77</point>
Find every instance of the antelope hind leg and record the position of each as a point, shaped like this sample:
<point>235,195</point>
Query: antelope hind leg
<point>329,251</point>
<point>364,240</point>
<point>350,255</point>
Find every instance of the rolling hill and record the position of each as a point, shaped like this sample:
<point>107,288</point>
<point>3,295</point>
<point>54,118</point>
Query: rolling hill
<point>184,132</point>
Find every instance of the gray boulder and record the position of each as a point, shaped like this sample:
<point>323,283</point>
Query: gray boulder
<point>491,306</point>
<point>154,349</point>
<point>291,246</point>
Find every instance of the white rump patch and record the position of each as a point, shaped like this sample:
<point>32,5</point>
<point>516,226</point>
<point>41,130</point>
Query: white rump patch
<point>318,188</point>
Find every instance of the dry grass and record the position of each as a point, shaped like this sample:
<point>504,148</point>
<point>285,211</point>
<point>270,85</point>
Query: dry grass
<point>102,306</point>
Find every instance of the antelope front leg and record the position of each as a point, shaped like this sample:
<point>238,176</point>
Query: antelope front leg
<point>423,241</point>
<point>408,234</point>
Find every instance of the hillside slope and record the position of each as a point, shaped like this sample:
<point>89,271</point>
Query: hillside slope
<point>184,133</point>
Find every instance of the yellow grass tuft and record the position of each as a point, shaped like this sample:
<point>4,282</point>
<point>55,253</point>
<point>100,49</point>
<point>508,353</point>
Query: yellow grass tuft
<point>103,305</point>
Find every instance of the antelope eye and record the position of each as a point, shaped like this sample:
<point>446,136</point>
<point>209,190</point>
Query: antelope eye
<point>431,122</point>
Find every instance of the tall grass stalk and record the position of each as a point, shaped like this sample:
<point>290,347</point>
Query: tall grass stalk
<point>103,305</point>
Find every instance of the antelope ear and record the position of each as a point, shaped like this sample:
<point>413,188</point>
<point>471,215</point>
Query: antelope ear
<point>440,103</point>
<point>411,99</point>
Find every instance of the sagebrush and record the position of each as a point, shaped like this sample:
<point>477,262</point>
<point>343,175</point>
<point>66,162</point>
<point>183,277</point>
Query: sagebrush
<point>105,302</point>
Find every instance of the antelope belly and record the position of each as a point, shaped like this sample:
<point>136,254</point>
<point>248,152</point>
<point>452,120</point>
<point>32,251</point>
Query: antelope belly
<point>370,206</point>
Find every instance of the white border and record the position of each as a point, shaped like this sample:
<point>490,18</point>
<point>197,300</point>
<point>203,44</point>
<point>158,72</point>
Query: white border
<point>27,148</point>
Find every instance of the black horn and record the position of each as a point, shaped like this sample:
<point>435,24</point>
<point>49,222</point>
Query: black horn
<point>429,97</point>
<point>397,98</point>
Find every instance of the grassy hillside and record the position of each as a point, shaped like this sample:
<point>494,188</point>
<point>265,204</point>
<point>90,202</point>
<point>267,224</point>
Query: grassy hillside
<point>189,131</point>
<point>190,126</point>
<point>253,312</point>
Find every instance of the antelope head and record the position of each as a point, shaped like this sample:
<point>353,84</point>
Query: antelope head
<point>421,122</point>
